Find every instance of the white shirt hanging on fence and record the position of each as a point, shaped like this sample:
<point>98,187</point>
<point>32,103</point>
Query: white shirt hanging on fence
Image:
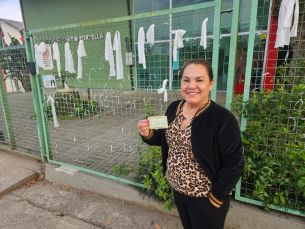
<point>69,65</point>
<point>284,33</point>
<point>178,43</point>
<point>39,50</point>
<point>119,61</point>
<point>81,53</point>
<point>37,57</point>
<point>56,56</point>
<point>150,35</point>
<point>109,54</point>
<point>163,90</point>
<point>141,50</point>
<point>203,41</point>
<point>51,100</point>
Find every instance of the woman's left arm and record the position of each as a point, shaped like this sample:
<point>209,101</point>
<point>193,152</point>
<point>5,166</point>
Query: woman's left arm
<point>231,153</point>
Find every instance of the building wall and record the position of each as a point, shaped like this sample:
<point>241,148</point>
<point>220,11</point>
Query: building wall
<point>42,14</point>
<point>12,31</point>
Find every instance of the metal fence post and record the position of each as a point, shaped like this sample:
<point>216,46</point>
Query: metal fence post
<point>248,73</point>
<point>7,115</point>
<point>233,48</point>
<point>37,102</point>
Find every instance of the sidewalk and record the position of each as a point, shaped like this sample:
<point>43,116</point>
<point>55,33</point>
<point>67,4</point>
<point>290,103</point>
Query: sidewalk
<point>60,201</point>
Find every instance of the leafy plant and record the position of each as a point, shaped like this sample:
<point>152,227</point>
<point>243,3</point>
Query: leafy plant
<point>150,174</point>
<point>149,170</point>
<point>274,146</point>
<point>122,169</point>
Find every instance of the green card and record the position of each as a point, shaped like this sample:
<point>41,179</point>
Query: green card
<point>158,122</point>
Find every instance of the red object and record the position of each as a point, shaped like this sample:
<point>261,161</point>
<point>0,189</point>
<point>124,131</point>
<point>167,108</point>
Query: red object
<point>4,80</point>
<point>22,38</point>
<point>239,88</point>
<point>241,79</point>
<point>271,58</point>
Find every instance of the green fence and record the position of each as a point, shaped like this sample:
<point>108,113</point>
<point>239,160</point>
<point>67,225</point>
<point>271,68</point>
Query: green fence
<point>272,117</point>
<point>95,129</point>
<point>98,115</point>
<point>18,128</point>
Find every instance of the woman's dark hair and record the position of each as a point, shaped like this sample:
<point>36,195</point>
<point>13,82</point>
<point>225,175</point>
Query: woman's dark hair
<point>205,63</point>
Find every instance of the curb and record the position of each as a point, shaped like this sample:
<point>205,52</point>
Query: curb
<point>19,183</point>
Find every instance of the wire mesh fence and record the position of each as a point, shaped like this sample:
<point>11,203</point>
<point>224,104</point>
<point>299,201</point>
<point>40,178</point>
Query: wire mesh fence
<point>18,127</point>
<point>98,115</point>
<point>273,138</point>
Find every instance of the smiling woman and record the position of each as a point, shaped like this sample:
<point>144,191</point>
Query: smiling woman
<point>201,150</point>
<point>196,83</point>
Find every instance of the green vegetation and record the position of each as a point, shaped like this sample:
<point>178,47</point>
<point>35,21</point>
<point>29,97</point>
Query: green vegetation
<point>149,170</point>
<point>274,146</point>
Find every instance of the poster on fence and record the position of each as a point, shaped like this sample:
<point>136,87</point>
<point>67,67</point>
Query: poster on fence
<point>47,58</point>
<point>49,81</point>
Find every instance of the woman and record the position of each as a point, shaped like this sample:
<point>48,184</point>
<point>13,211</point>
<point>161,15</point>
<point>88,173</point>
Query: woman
<point>201,150</point>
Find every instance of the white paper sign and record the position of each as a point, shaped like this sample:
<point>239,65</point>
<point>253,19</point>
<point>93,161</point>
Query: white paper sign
<point>49,81</point>
<point>47,58</point>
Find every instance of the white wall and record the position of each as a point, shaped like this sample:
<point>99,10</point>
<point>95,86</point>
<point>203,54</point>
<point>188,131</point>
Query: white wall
<point>12,31</point>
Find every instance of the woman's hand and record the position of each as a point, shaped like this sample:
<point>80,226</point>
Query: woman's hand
<point>143,127</point>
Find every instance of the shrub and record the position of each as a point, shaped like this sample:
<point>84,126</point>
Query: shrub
<point>274,147</point>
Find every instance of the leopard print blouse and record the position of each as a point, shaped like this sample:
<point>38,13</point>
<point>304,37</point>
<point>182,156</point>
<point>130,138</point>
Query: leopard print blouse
<point>183,172</point>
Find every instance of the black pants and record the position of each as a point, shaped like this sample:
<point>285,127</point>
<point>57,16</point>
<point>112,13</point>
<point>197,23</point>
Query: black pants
<point>199,213</point>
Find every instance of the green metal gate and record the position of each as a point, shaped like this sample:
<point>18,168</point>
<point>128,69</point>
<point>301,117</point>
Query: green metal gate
<point>18,127</point>
<point>98,116</point>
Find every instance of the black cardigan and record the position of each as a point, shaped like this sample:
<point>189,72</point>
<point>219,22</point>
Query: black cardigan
<point>216,145</point>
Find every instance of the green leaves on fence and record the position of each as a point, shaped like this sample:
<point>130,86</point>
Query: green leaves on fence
<point>274,146</point>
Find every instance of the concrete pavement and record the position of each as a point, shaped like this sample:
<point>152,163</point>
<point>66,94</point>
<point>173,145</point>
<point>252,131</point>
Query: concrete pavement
<point>61,201</point>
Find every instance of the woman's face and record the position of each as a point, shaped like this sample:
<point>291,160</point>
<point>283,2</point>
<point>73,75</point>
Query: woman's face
<point>196,84</point>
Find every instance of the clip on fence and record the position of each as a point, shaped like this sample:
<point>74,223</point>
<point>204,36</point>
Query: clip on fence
<point>31,67</point>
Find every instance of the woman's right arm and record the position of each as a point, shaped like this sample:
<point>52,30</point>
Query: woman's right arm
<point>149,136</point>
<point>154,137</point>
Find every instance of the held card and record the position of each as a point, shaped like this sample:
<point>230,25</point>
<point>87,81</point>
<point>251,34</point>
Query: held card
<point>158,122</point>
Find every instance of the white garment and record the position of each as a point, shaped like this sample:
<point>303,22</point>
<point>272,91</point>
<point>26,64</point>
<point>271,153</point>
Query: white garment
<point>284,33</point>
<point>39,50</point>
<point>42,47</point>
<point>80,53</point>
<point>109,54</point>
<point>119,61</point>
<point>163,89</point>
<point>66,86</point>
<point>150,35</point>
<point>50,63</point>
<point>56,56</point>
<point>37,57</point>
<point>141,50</point>
<point>51,100</point>
<point>69,65</point>
<point>203,41</point>
<point>178,43</point>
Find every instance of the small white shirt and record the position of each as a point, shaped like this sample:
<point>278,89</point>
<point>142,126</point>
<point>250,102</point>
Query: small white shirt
<point>150,35</point>
<point>284,33</point>
<point>56,56</point>
<point>109,54</point>
<point>141,49</point>
<point>69,65</point>
<point>81,53</point>
<point>119,61</point>
<point>178,43</point>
